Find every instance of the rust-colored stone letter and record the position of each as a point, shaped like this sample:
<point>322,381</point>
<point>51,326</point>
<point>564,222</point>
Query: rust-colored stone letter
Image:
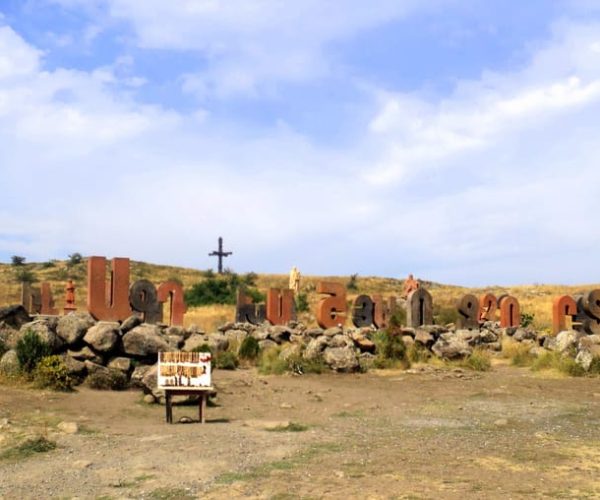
<point>562,307</point>
<point>510,312</point>
<point>488,305</point>
<point>280,306</point>
<point>468,312</point>
<point>173,291</point>
<point>383,310</point>
<point>331,311</point>
<point>108,301</point>
<point>48,301</point>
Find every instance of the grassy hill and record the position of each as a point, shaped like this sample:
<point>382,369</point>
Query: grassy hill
<point>534,299</point>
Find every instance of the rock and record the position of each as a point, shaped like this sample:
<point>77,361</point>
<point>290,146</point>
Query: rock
<point>286,406</point>
<point>144,341</point>
<point>75,367</point>
<point>85,353</point>
<point>408,340</point>
<point>341,359</point>
<point>280,333</point>
<point>366,361</point>
<point>9,363</point>
<point>130,323</point>
<point>72,327</point>
<point>68,427</point>
<point>102,336</point>
<point>44,331</point>
<point>433,330</point>
<point>261,334</point>
<point>341,341</point>
<point>150,379</point>
<point>424,338</point>
<point>567,339</point>
<point>120,363</point>
<point>149,399</point>
<point>92,367</point>
<point>407,331</point>
<point>584,359</point>
<point>8,336</point>
<point>138,374</point>
<point>81,464</point>
<point>488,336</point>
<point>267,344</point>
<point>175,341</point>
<point>501,422</point>
<point>313,332</point>
<point>333,331</point>
<point>523,334</point>
<point>14,316</point>
<point>226,326</point>
<point>185,420</point>
<point>454,348</point>
<point>471,337</point>
<point>315,347</point>
<point>217,342</point>
<point>364,344</point>
<point>588,341</point>
<point>235,337</point>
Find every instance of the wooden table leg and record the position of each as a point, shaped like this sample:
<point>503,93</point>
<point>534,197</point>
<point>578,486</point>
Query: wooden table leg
<point>169,407</point>
<point>202,407</point>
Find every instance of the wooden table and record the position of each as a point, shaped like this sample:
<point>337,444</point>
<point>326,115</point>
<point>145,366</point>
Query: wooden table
<point>203,392</point>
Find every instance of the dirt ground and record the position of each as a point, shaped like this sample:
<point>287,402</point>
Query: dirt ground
<point>424,433</point>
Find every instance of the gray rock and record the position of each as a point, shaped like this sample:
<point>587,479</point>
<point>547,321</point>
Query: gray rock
<point>333,331</point>
<point>235,336</point>
<point>313,332</point>
<point>408,331</point>
<point>92,367</point>
<point>584,359</point>
<point>524,334</point>
<point>261,334</point>
<point>217,342</point>
<point>130,323</point>
<point>225,327</point>
<point>315,347</point>
<point>44,331</point>
<point>341,359</point>
<point>138,374</point>
<point>408,340</point>
<point>120,363</point>
<point>488,336</point>
<point>454,348</point>
<point>280,333</point>
<point>9,363</point>
<point>14,316</point>
<point>471,337</point>
<point>103,336</point>
<point>150,380</point>
<point>72,327</point>
<point>85,353</point>
<point>175,341</point>
<point>75,367</point>
<point>588,341</point>
<point>144,341</point>
<point>424,338</point>
<point>341,341</point>
<point>567,340</point>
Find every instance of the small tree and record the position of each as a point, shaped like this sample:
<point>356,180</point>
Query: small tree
<point>352,282</point>
<point>17,260</point>
<point>74,259</point>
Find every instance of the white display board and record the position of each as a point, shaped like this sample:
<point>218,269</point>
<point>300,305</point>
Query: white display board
<point>183,370</point>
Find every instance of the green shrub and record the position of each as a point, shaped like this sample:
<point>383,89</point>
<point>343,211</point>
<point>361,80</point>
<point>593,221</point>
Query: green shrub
<point>478,360</point>
<point>302,304</point>
<point>52,373</point>
<point>397,320</point>
<point>556,361</point>
<point>527,319</point>
<point>226,360</point>
<point>418,353</point>
<point>444,315</point>
<point>568,366</point>
<point>269,362</point>
<point>352,282</point>
<point>390,350</point>
<point>594,366</point>
<point>249,348</point>
<point>297,364</point>
<point>30,350</point>
<point>108,379</point>
<point>222,289</point>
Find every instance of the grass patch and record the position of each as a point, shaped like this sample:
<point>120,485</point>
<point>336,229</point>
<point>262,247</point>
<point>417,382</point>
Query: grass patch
<point>418,353</point>
<point>519,354</point>
<point>555,361</point>
<point>271,363</point>
<point>166,493</point>
<point>291,427</point>
<point>478,361</point>
<point>28,448</point>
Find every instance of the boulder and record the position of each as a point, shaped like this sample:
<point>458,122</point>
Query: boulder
<point>424,338</point>
<point>8,335</point>
<point>120,363</point>
<point>488,336</point>
<point>43,330</point>
<point>567,340</point>
<point>261,334</point>
<point>315,347</point>
<point>584,359</point>
<point>72,327</point>
<point>150,380</point>
<point>75,367</point>
<point>235,336</point>
<point>588,341</point>
<point>130,323</point>
<point>217,342</point>
<point>341,341</point>
<point>524,334</point>
<point>83,354</point>
<point>144,341</point>
<point>408,340</point>
<point>451,348</point>
<point>14,316</point>
<point>9,363</point>
<point>290,350</point>
<point>103,336</point>
<point>313,332</point>
<point>280,333</point>
<point>138,374</point>
<point>364,344</point>
<point>471,337</point>
<point>92,367</point>
<point>341,359</point>
<point>333,331</point>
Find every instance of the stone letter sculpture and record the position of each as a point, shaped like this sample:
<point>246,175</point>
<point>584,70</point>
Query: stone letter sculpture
<point>247,312</point>
<point>47,306</point>
<point>113,306</point>
<point>280,306</point>
<point>362,311</point>
<point>510,312</point>
<point>488,305</point>
<point>562,307</point>
<point>173,292</point>
<point>468,312</point>
<point>144,299</point>
<point>331,311</point>
<point>419,308</point>
<point>383,310</point>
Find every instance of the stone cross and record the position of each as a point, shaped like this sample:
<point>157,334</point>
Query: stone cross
<point>220,253</point>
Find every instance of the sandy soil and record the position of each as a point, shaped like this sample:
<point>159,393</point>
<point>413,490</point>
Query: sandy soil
<point>425,433</point>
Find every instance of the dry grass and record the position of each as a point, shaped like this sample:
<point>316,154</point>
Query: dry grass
<point>534,299</point>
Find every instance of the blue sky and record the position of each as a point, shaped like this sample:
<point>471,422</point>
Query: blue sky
<point>457,140</point>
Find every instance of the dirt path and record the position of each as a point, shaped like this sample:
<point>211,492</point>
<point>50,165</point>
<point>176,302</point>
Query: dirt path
<point>418,434</point>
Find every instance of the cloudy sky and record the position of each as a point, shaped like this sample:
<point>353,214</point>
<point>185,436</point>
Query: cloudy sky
<point>455,139</point>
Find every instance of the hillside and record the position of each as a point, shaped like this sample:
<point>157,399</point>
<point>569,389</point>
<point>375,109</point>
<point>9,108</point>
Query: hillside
<point>534,299</point>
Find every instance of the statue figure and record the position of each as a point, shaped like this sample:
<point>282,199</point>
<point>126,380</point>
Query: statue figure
<point>410,285</point>
<point>295,279</point>
<point>70,297</point>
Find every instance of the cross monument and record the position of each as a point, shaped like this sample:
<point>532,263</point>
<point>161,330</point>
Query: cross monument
<point>220,253</point>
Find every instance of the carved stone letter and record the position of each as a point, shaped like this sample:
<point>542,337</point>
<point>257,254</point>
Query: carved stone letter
<point>419,308</point>
<point>362,311</point>
<point>383,310</point>
<point>173,291</point>
<point>143,298</point>
<point>562,307</point>
<point>108,301</point>
<point>48,301</point>
<point>247,312</point>
<point>488,305</point>
<point>280,306</point>
<point>31,299</point>
<point>510,312</point>
<point>468,312</point>
<point>331,311</point>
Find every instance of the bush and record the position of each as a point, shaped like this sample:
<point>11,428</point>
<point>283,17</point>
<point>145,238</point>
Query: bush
<point>297,364</point>
<point>74,259</point>
<point>17,260</point>
<point>226,360</point>
<point>563,364</point>
<point>527,319</point>
<point>269,362</point>
<point>445,315</point>
<point>222,290</point>
<point>108,379</point>
<point>390,350</point>
<point>418,353</point>
<point>479,361</point>
<point>30,350</point>
<point>302,302</point>
<point>249,348</point>
<point>52,373</point>
<point>352,282</point>
<point>24,275</point>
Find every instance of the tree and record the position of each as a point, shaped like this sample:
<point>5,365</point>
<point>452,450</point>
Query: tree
<point>17,260</point>
<point>74,259</point>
